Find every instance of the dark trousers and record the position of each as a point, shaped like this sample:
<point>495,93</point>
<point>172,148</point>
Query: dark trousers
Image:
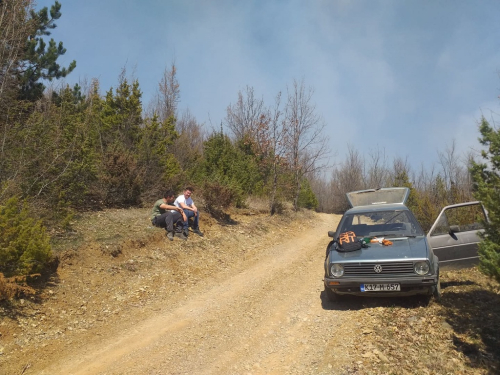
<point>196,219</point>
<point>167,220</point>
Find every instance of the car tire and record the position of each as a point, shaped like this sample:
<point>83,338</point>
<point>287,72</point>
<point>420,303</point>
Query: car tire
<point>331,295</point>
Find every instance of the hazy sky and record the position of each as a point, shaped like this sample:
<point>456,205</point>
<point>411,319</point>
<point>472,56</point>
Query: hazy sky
<point>404,76</point>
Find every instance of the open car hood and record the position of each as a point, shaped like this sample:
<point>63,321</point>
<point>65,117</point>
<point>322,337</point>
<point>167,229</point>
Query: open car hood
<point>378,196</point>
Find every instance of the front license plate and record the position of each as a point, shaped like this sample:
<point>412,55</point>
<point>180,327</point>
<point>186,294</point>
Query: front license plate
<point>380,287</point>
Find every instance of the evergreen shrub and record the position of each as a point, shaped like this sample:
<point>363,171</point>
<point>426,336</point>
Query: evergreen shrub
<point>24,245</point>
<point>486,177</point>
<point>307,199</point>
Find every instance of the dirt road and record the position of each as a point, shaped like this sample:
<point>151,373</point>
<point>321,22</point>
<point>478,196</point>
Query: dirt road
<point>266,319</point>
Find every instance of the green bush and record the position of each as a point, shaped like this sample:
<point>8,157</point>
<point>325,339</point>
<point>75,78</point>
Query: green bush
<point>307,199</point>
<point>24,244</point>
<point>225,163</point>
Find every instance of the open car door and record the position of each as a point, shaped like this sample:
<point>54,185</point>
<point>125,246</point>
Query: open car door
<point>454,235</point>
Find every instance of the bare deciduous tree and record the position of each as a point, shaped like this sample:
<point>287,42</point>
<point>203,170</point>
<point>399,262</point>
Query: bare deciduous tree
<point>168,94</point>
<point>321,186</point>
<point>166,98</point>
<point>306,140</point>
<point>188,147</point>
<point>456,174</point>
<point>401,171</point>
<point>15,27</point>
<point>244,118</point>
<point>377,174</point>
<point>348,176</point>
<point>278,147</point>
<point>14,30</point>
<point>251,121</point>
<point>449,164</point>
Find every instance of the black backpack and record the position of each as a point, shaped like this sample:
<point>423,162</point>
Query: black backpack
<point>347,241</point>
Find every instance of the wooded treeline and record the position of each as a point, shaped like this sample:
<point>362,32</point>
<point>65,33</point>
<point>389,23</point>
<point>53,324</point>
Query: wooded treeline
<point>76,148</point>
<point>448,182</point>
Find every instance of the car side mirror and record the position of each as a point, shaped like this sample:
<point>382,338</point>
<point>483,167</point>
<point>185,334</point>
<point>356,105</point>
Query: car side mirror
<point>454,229</point>
<point>331,234</point>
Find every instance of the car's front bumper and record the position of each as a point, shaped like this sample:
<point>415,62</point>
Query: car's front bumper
<point>409,285</point>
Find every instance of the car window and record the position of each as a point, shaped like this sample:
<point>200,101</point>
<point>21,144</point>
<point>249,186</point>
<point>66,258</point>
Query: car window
<point>464,218</point>
<point>442,226</point>
<point>376,223</point>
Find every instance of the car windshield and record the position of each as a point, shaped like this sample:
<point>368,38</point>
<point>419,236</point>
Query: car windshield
<point>389,223</point>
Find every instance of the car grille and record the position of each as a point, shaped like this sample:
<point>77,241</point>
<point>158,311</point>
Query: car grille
<point>368,269</point>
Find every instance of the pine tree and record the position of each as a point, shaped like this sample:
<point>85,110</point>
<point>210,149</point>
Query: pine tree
<point>77,169</point>
<point>226,162</point>
<point>307,199</point>
<point>155,157</point>
<point>486,178</point>
<point>39,61</point>
<point>121,115</point>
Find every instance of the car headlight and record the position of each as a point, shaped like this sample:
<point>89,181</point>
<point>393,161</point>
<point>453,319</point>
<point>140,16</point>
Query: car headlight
<point>421,268</point>
<point>337,270</point>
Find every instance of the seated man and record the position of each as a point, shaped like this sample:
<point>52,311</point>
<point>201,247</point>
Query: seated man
<point>165,214</point>
<point>185,202</point>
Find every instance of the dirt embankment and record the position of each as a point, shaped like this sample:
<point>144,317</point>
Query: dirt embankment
<point>245,299</point>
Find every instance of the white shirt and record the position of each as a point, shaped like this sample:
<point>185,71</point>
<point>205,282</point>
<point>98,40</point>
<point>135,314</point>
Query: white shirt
<point>182,199</point>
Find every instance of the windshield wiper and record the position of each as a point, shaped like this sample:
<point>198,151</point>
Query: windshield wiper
<point>392,236</point>
<point>393,217</point>
<point>384,235</point>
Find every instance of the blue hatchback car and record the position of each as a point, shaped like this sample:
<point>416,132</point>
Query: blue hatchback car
<point>388,254</point>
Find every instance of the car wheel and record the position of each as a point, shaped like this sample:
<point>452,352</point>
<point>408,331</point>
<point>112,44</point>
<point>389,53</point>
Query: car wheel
<point>332,296</point>
<point>426,299</point>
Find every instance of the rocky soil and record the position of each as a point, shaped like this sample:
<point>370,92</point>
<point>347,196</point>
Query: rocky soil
<point>247,298</point>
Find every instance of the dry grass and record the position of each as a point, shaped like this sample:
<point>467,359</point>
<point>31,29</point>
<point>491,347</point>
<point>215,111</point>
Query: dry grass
<point>261,205</point>
<point>458,335</point>
<point>14,287</point>
<point>258,204</point>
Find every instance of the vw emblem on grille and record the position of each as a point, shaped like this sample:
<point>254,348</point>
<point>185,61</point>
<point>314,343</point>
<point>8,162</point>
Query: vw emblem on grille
<point>377,268</point>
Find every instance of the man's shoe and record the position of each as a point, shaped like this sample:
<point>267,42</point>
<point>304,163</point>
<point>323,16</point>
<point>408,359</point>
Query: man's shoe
<point>185,232</point>
<point>198,232</point>
<point>170,236</point>
<point>181,236</point>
